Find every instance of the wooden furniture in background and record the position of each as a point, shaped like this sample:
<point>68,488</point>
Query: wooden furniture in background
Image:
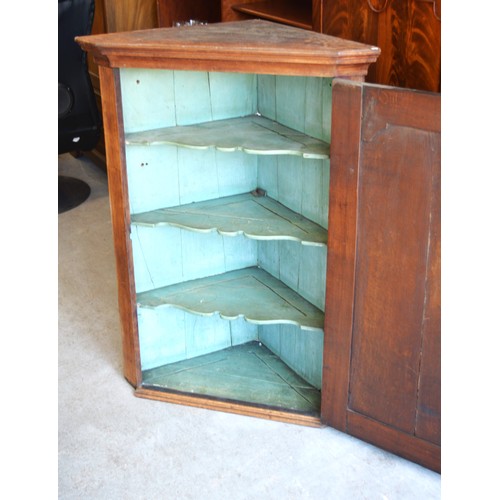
<point>304,14</point>
<point>381,379</point>
<point>408,32</point>
<point>173,11</point>
<point>111,16</point>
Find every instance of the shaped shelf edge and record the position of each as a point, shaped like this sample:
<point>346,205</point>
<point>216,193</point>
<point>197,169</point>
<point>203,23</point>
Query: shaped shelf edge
<point>251,293</point>
<point>256,217</point>
<point>253,134</point>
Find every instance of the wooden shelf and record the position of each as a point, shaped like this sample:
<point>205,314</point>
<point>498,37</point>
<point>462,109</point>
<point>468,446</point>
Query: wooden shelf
<point>256,217</point>
<point>296,13</point>
<point>248,372</point>
<point>252,134</point>
<point>251,293</point>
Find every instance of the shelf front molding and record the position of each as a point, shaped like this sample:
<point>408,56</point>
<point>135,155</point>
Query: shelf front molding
<point>256,217</point>
<point>251,134</point>
<point>250,293</point>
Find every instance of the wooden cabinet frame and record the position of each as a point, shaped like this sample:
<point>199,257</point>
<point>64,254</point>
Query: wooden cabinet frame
<point>355,194</point>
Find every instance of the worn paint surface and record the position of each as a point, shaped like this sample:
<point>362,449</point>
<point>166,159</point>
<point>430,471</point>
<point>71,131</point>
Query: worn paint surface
<point>252,134</point>
<point>257,217</point>
<point>250,293</point>
<point>195,139</point>
<point>250,372</point>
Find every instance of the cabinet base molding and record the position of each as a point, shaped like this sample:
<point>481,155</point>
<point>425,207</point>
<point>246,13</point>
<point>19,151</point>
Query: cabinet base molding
<point>228,407</point>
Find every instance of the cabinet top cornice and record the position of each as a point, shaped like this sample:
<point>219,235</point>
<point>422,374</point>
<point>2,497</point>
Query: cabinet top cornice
<point>252,46</point>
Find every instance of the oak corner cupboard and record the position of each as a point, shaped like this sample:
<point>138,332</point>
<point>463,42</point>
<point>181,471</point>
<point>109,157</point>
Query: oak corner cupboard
<point>219,153</point>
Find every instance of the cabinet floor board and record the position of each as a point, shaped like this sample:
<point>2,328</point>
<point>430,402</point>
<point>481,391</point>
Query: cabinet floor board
<point>248,372</point>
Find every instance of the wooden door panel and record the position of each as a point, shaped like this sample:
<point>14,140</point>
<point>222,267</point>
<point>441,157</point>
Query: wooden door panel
<point>428,425</point>
<point>381,363</point>
<point>390,278</point>
<point>394,189</point>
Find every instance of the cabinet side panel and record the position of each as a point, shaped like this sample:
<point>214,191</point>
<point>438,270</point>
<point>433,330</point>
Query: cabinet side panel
<point>301,103</point>
<point>315,191</point>
<point>291,101</point>
<point>184,97</point>
<point>120,215</point>
<point>153,177</point>
<point>266,95</point>
<point>300,267</point>
<point>192,97</point>
<point>300,184</point>
<point>157,256</point>
<point>429,392</point>
<point>291,177</point>
<point>140,111</point>
<point>301,351</point>
<point>168,335</point>
<point>208,174</point>
<point>206,96</point>
<point>232,94</point>
<point>162,176</point>
<point>166,255</point>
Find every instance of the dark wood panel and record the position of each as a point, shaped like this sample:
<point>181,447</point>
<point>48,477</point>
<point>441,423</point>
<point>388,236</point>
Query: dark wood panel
<point>172,11</point>
<point>422,64</point>
<point>429,396</point>
<point>352,20</point>
<point>393,234</point>
<point>306,14</point>
<point>381,374</point>
<point>408,33</point>
<point>341,254</point>
<point>412,448</point>
<point>229,14</point>
<point>296,13</point>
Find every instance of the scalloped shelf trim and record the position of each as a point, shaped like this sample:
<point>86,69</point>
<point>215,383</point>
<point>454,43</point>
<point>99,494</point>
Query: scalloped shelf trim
<point>256,217</point>
<point>250,293</point>
<point>252,134</point>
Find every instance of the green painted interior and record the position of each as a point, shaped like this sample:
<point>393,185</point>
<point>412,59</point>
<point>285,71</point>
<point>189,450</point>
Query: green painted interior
<point>165,174</point>
<point>248,372</point>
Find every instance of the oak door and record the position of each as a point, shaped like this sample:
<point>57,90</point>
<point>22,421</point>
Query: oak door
<point>381,379</point>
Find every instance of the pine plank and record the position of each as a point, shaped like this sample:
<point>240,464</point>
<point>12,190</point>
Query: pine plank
<point>257,217</point>
<point>252,134</point>
<point>248,373</point>
<point>251,293</point>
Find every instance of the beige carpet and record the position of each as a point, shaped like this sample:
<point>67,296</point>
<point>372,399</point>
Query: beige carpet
<point>113,445</point>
